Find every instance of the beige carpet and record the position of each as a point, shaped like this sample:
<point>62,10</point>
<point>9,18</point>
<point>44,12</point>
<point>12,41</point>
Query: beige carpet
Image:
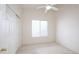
<point>49,48</point>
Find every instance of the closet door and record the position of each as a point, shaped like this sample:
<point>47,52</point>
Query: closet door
<point>3,27</point>
<point>12,31</point>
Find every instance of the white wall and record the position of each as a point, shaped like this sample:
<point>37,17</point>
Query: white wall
<point>68,27</point>
<point>33,14</point>
<point>10,30</point>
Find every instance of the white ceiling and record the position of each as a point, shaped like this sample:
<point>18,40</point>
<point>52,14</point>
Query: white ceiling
<point>32,6</point>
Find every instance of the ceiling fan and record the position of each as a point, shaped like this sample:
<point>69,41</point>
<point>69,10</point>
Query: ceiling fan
<point>49,7</point>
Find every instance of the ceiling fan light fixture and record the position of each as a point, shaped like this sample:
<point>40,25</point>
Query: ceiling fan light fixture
<point>48,7</point>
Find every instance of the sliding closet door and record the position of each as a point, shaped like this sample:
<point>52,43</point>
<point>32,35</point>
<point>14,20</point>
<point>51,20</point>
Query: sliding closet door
<point>3,27</point>
<point>13,31</point>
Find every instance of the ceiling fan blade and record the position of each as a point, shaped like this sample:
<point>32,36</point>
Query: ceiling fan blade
<point>55,9</point>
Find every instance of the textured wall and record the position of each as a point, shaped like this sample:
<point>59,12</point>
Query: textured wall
<point>68,27</point>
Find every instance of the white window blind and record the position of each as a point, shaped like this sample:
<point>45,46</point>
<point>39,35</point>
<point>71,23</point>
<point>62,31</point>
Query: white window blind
<point>39,28</point>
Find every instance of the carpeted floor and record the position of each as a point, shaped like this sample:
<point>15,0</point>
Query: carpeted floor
<point>49,48</point>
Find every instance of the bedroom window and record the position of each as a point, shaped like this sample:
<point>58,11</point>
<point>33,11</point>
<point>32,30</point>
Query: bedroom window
<point>39,28</point>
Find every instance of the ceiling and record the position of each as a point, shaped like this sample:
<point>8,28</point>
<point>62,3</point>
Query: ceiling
<point>33,6</point>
